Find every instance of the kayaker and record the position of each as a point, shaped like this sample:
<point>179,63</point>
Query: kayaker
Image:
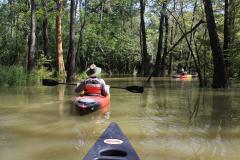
<point>181,71</point>
<point>93,85</point>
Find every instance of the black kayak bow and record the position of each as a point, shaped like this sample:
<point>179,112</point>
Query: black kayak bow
<point>112,145</point>
<point>134,89</point>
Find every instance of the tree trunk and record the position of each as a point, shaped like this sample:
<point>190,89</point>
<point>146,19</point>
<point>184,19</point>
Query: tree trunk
<point>160,44</point>
<point>232,16</point>
<point>45,28</point>
<point>189,58</point>
<point>131,14</point>
<point>14,30</point>
<point>172,33</point>
<point>226,35</point>
<point>233,5</point>
<point>183,28</point>
<point>17,57</point>
<point>71,60</point>
<point>61,67</point>
<point>145,57</point>
<point>81,58</point>
<point>219,74</point>
<point>11,16</point>
<point>32,43</point>
<point>165,53</point>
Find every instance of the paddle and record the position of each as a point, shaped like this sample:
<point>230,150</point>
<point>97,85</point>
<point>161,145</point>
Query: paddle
<point>134,89</point>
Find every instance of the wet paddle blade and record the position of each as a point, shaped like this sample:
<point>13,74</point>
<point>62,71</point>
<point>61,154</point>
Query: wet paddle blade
<point>49,82</point>
<point>135,89</point>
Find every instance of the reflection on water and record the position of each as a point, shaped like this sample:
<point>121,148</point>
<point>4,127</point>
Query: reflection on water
<point>61,98</point>
<point>170,120</point>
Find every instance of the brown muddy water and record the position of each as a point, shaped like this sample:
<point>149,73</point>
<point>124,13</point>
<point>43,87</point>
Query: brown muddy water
<point>171,120</point>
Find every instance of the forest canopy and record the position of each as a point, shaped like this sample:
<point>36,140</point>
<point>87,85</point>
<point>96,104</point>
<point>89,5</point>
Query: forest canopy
<point>141,37</point>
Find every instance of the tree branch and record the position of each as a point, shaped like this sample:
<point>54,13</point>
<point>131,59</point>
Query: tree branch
<point>186,33</point>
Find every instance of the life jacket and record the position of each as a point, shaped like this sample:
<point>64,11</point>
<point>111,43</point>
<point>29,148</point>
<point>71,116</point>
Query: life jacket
<point>93,86</point>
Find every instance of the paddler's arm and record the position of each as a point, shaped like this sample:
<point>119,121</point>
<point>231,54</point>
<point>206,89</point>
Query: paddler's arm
<point>80,87</point>
<point>105,88</point>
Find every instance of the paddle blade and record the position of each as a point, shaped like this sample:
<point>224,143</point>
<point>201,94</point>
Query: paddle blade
<point>49,82</point>
<point>135,89</point>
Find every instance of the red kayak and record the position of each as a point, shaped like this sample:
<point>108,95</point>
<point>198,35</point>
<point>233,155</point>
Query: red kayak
<point>88,104</point>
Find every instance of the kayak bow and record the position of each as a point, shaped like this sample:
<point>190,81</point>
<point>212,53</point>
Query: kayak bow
<point>112,145</point>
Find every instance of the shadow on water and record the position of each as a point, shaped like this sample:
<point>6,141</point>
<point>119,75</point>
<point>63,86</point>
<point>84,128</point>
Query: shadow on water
<point>153,88</point>
<point>163,94</point>
<point>212,108</point>
<point>183,100</point>
<point>221,115</point>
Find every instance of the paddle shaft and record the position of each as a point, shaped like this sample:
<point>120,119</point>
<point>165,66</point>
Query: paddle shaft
<point>135,89</point>
<point>117,87</point>
<point>73,84</point>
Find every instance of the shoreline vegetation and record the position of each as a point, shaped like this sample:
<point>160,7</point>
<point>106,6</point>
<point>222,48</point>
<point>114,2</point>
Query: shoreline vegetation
<point>19,76</point>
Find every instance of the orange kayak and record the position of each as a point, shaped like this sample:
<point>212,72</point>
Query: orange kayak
<point>88,104</point>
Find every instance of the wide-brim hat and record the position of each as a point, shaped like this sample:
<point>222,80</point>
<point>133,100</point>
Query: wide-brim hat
<point>93,70</point>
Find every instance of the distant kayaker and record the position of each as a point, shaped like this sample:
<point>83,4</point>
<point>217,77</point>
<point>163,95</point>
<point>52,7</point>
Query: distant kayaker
<point>181,71</point>
<point>93,85</point>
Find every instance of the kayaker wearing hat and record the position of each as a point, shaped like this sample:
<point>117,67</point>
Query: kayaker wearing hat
<point>93,85</point>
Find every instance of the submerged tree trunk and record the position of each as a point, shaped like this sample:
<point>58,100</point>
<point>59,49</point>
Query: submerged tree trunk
<point>71,59</point>
<point>32,43</point>
<point>145,57</point>
<point>219,74</point>
<point>61,67</point>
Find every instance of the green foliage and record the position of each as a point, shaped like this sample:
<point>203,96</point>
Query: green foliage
<point>43,61</point>
<point>41,73</point>
<point>19,76</point>
<point>82,76</point>
<point>13,75</point>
